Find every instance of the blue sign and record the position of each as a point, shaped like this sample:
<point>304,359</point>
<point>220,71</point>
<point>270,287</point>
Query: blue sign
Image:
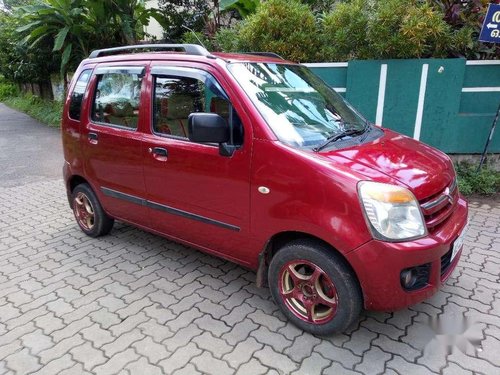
<point>490,32</point>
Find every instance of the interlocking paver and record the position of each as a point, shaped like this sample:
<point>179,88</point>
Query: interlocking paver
<point>216,327</point>
<point>313,364</point>
<point>237,314</point>
<point>206,363</point>
<point>336,368</point>
<point>302,347</point>
<point>71,329</point>
<point>275,340</point>
<point>153,351</point>
<point>182,337</point>
<point>88,355</point>
<point>128,324</point>
<point>239,332</point>
<point>116,363</point>
<point>23,362</point>
<point>56,366</point>
<point>133,302</point>
<point>76,369</point>
<point>252,367</point>
<point>36,341</point>
<point>242,352</point>
<point>97,335</point>
<point>216,346</point>
<point>142,366</point>
<point>473,364</point>
<point>158,332</point>
<point>275,360</point>
<point>59,349</point>
<point>344,356</point>
<point>373,362</point>
<point>10,348</point>
<point>180,358</point>
<point>361,340</point>
<point>104,318</point>
<point>396,347</point>
<point>26,318</point>
<point>454,369</point>
<point>159,313</point>
<point>123,342</point>
<point>271,322</point>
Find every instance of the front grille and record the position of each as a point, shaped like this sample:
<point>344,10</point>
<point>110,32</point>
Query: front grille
<point>446,261</point>
<point>439,207</point>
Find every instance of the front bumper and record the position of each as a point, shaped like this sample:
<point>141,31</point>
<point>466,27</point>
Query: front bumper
<point>378,264</point>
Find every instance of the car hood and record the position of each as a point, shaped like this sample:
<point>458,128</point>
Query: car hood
<point>395,158</point>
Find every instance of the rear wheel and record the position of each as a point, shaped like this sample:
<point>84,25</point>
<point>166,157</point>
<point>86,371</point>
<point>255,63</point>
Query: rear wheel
<point>89,214</point>
<point>314,287</point>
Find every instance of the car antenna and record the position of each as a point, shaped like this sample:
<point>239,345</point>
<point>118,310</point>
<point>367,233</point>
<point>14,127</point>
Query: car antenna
<point>196,36</point>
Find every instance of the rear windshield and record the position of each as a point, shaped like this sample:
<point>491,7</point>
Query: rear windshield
<point>298,106</point>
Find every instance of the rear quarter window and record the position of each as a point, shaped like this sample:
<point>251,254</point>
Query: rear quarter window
<point>75,104</point>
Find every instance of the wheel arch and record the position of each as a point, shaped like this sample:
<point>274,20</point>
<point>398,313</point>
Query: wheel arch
<point>72,183</point>
<point>278,241</point>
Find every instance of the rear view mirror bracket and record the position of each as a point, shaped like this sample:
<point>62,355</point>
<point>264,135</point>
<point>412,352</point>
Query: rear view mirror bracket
<point>226,149</point>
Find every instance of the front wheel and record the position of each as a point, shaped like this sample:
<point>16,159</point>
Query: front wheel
<point>314,287</point>
<point>89,214</point>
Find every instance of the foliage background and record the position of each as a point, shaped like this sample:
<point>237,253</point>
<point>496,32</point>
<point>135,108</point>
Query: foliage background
<point>357,29</point>
<point>41,37</point>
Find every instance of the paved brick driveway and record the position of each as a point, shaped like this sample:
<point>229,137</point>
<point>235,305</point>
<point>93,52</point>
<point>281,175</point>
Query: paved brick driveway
<point>135,303</point>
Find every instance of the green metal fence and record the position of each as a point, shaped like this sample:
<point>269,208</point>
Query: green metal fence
<point>447,103</point>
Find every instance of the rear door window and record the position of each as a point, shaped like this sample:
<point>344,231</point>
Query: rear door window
<point>117,96</point>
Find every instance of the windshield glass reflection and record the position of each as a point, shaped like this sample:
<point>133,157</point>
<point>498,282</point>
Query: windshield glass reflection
<point>298,106</point>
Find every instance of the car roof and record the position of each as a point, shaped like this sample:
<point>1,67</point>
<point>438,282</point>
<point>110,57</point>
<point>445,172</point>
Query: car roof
<point>192,52</point>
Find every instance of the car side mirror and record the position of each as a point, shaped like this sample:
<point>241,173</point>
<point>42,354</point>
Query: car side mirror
<point>207,128</point>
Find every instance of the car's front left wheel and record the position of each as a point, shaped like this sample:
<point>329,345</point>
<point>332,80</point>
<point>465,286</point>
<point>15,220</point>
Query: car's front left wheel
<point>314,287</point>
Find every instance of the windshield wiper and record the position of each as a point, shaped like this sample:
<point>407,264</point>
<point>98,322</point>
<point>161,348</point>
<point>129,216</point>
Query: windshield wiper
<point>336,137</point>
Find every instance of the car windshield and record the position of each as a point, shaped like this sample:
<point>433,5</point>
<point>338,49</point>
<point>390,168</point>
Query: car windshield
<point>298,106</point>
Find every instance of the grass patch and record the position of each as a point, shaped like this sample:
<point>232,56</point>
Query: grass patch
<point>46,111</point>
<point>470,181</point>
<point>7,89</point>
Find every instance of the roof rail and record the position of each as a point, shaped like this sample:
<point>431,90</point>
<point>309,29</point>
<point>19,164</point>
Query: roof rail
<point>189,49</point>
<point>267,54</point>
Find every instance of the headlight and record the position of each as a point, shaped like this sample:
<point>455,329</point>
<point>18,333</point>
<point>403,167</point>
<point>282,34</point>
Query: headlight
<point>392,211</point>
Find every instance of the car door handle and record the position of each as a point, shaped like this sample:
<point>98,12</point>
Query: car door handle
<point>92,137</point>
<point>159,151</point>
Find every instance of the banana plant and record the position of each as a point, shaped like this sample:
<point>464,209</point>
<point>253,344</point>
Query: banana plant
<point>60,20</point>
<point>243,7</point>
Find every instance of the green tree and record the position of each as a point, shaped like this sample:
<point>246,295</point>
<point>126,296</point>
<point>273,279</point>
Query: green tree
<point>120,22</point>
<point>193,14</point>
<point>344,31</point>
<point>285,27</point>
<point>75,27</point>
<point>19,63</point>
<point>62,21</point>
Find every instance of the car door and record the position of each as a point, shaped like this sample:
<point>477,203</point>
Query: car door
<point>113,142</point>
<point>194,193</point>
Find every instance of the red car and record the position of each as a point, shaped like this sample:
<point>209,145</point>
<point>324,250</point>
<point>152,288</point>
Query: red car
<point>255,159</point>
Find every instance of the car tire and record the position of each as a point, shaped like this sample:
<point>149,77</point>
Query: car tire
<point>89,214</point>
<point>314,287</point>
